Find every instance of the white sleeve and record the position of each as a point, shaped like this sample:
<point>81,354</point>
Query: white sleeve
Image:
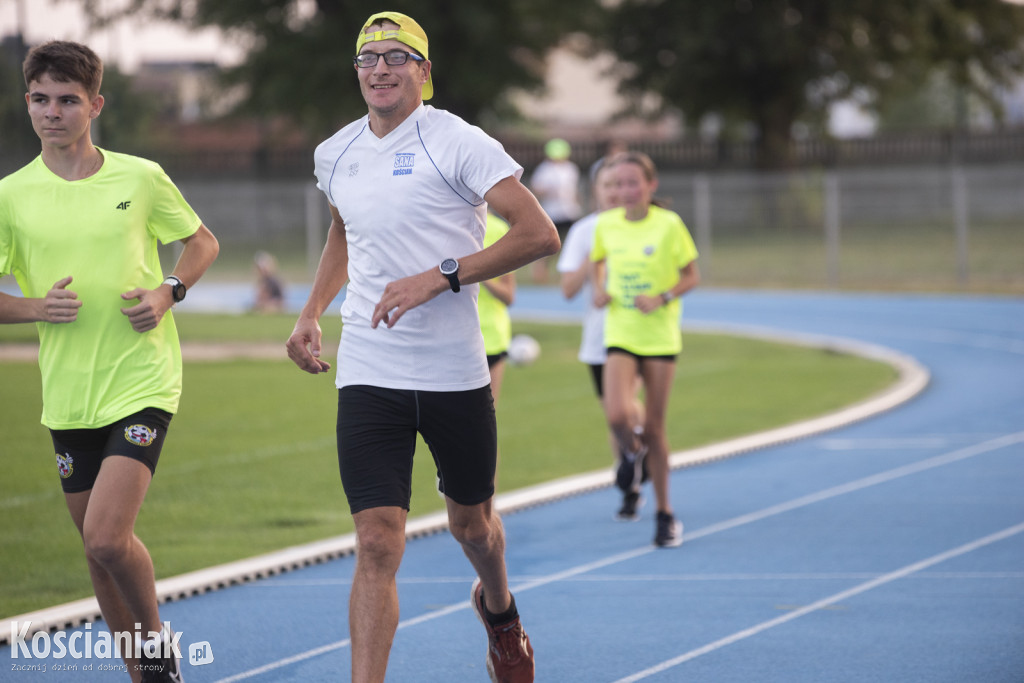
<point>576,249</point>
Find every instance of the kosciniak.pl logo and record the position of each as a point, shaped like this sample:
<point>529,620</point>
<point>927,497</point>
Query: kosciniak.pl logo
<point>200,653</point>
<point>89,644</point>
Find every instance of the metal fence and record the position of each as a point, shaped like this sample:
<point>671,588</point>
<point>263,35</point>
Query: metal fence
<point>938,227</point>
<point>213,160</point>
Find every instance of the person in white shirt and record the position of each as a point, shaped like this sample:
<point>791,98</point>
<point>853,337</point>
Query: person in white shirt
<point>408,187</point>
<point>556,182</point>
<point>575,270</point>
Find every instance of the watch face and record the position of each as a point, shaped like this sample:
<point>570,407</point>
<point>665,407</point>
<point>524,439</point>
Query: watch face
<point>449,266</point>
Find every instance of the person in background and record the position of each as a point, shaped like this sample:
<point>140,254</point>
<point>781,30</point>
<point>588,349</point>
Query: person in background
<point>408,188</point>
<point>556,182</point>
<point>269,290</point>
<point>612,148</point>
<point>79,227</point>
<point>574,267</point>
<point>644,261</point>
<point>496,295</point>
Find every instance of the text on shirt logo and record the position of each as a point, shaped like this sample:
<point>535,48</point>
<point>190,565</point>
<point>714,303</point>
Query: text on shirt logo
<point>404,163</point>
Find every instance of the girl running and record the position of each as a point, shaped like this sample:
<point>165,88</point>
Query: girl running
<point>644,260</point>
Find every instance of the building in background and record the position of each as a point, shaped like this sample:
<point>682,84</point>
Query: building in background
<point>187,91</point>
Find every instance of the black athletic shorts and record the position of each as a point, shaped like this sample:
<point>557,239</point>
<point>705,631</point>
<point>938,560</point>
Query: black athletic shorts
<point>494,359</point>
<point>597,371</point>
<point>80,452</point>
<point>597,374</point>
<point>640,358</point>
<point>377,440</point>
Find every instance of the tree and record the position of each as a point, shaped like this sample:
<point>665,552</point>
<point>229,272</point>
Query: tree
<point>299,62</point>
<point>778,62</point>
<point>127,119</point>
<point>18,142</point>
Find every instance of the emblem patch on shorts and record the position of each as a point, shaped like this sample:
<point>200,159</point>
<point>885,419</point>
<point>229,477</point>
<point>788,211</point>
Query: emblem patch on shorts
<point>65,465</point>
<point>140,435</point>
<point>404,163</point>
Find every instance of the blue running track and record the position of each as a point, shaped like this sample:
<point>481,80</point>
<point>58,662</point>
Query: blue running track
<point>891,549</point>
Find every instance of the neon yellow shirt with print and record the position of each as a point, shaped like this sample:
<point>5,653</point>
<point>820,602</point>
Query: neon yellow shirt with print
<point>103,232</point>
<point>642,257</point>
<point>494,320</point>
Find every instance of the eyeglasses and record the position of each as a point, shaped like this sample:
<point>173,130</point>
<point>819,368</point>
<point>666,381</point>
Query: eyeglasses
<point>392,58</point>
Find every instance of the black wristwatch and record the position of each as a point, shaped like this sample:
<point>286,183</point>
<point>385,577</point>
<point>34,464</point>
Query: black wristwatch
<point>177,288</point>
<point>450,269</point>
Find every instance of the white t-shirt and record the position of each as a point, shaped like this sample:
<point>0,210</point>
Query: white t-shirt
<point>576,252</point>
<point>557,186</point>
<point>409,200</point>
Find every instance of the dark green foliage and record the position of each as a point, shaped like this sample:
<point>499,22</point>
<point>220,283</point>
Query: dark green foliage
<point>18,142</point>
<point>760,64</point>
<point>301,65</point>
<point>777,62</point>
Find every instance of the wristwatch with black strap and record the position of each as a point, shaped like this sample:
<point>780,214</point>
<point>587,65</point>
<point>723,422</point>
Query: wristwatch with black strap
<point>177,287</point>
<point>450,269</point>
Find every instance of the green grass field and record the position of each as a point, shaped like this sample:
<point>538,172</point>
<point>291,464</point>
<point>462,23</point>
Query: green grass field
<point>250,466</point>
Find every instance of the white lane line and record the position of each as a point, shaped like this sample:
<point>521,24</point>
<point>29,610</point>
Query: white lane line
<point>883,444</point>
<point>294,659</point>
<point>825,602</point>
<point>873,480</point>
<point>724,577</point>
<point>881,478</point>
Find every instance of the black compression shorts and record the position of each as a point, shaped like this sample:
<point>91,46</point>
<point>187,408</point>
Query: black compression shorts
<point>80,452</point>
<point>377,431</point>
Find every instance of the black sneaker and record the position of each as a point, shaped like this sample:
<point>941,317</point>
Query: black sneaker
<point>669,533</point>
<point>632,470</point>
<point>645,475</point>
<point>631,504</point>
<point>163,666</point>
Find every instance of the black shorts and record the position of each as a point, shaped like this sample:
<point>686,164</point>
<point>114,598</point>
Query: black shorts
<point>597,374</point>
<point>639,358</point>
<point>494,359</point>
<point>377,440</point>
<point>597,371</point>
<point>80,452</point>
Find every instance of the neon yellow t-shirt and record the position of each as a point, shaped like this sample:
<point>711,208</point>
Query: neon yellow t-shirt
<point>494,320</point>
<point>102,231</point>
<point>642,257</point>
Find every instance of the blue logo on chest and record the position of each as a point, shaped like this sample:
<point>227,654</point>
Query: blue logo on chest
<point>404,163</point>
